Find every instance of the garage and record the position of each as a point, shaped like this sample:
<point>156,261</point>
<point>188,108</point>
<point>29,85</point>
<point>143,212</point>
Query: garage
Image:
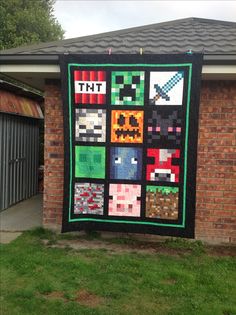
<point>20,118</point>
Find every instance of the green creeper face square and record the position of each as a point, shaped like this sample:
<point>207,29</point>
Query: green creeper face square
<point>127,88</point>
<point>90,161</point>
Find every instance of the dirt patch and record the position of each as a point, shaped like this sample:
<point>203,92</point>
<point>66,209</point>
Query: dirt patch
<point>88,299</point>
<point>57,295</point>
<point>114,248</point>
<point>222,251</point>
<point>132,246</point>
<point>82,297</point>
<point>169,281</point>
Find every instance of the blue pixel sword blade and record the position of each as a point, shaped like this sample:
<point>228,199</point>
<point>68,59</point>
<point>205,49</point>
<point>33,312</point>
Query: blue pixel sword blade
<point>162,91</point>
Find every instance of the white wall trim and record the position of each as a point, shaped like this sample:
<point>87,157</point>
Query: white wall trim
<point>207,69</point>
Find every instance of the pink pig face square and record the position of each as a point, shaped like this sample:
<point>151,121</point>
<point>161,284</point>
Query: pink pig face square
<point>124,200</point>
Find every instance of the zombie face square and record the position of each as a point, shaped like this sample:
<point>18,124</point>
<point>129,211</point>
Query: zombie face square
<point>163,165</point>
<point>127,126</point>
<point>90,161</point>
<point>164,127</point>
<point>88,198</point>
<point>127,88</point>
<point>124,200</point>
<point>90,125</point>
<point>162,202</point>
<point>166,87</point>
<point>125,163</point>
<point>90,87</point>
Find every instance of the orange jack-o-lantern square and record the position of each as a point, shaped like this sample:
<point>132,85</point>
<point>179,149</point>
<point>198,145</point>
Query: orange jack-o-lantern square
<point>127,126</point>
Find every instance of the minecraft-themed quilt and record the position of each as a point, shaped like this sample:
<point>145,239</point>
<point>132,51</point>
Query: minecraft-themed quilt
<point>130,127</point>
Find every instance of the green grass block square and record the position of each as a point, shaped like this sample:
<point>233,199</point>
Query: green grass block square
<point>90,161</point>
<point>127,88</point>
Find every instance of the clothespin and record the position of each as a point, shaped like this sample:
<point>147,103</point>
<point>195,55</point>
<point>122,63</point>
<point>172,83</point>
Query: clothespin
<point>141,51</point>
<point>109,51</point>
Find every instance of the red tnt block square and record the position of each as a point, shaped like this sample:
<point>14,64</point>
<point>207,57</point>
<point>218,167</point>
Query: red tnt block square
<point>90,87</point>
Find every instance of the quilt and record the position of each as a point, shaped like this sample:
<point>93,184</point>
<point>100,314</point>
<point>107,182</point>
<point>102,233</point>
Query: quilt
<point>130,129</point>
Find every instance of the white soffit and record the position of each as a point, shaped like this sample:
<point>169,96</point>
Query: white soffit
<point>209,72</point>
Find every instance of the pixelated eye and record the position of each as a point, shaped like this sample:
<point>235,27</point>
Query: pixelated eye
<point>136,80</point>
<point>117,160</point>
<point>82,126</point>
<point>121,120</point>
<point>133,121</point>
<point>119,79</point>
<point>134,161</point>
<point>97,158</point>
<point>83,158</point>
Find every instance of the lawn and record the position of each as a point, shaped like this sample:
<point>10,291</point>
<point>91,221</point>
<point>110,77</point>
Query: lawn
<point>41,274</point>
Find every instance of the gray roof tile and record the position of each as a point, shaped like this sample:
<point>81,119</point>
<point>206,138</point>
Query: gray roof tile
<point>210,36</point>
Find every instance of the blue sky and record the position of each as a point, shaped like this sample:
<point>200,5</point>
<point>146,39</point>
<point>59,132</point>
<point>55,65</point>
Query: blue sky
<point>80,18</point>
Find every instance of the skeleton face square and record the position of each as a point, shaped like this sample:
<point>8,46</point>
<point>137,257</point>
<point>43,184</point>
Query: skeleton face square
<point>90,161</point>
<point>166,87</point>
<point>125,163</point>
<point>90,125</point>
<point>88,198</point>
<point>162,202</point>
<point>163,165</point>
<point>164,127</point>
<point>124,200</point>
<point>127,88</point>
<point>127,126</point>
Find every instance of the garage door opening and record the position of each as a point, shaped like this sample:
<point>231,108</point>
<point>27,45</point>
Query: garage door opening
<point>20,120</point>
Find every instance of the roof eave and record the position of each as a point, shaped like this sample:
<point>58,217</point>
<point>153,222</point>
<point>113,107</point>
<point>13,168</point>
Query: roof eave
<point>208,59</point>
<point>19,90</point>
<point>29,58</point>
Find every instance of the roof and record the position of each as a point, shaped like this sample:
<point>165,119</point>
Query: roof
<point>178,36</point>
<point>33,64</point>
<point>19,101</point>
<point>20,90</point>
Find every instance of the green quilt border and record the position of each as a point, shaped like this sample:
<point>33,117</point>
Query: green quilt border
<point>189,65</point>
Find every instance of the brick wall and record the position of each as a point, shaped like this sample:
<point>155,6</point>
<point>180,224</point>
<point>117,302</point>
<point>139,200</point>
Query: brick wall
<point>53,156</point>
<point>216,176</point>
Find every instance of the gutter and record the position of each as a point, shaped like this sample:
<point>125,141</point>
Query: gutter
<point>208,59</point>
<point>21,91</point>
<point>29,59</point>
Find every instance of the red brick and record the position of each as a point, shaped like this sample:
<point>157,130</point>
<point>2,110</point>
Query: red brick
<point>216,173</point>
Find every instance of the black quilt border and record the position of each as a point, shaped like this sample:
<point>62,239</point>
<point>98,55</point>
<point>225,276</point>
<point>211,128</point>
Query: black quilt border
<point>196,61</point>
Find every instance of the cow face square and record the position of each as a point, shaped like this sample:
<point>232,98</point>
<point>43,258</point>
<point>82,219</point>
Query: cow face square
<point>125,163</point>
<point>88,198</point>
<point>163,165</point>
<point>90,125</point>
<point>127,126</point>
<point>127,88</point>
<point>90,161</point>
<point>124,200</point>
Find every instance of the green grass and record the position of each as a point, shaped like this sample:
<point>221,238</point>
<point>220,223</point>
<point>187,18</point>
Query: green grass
<point>180,278</point>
